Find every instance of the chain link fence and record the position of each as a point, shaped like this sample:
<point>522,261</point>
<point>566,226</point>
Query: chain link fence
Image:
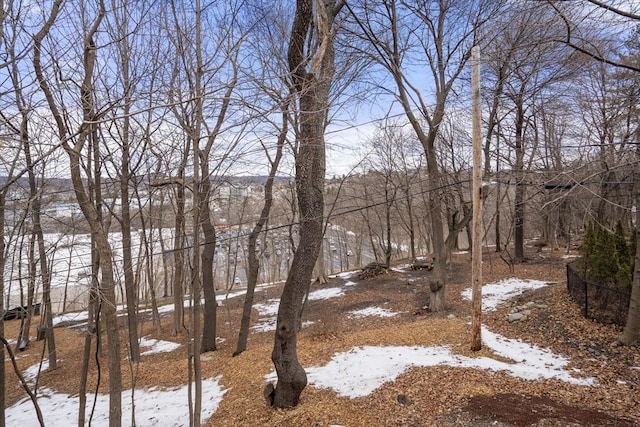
<point>602,303</point>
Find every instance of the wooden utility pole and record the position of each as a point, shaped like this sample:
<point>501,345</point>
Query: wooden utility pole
<point>476,245</point>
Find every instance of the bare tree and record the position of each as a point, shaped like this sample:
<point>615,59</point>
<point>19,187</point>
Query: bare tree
<point>2,260</point>
<point>631,333</point>
<point>267,42</point>
<point>252,259</point>
<point>579,19</point>
<point>385,166</point>
<point>124,34</point>
<point>624,57</point>
<point>312,73</point>
<point>9,165</point>
<point>204,79</point>
<point>20,127</point>
<point>2,349</point>
<point>524,73</point>
<point>87,133</point>
<point>439,35</point>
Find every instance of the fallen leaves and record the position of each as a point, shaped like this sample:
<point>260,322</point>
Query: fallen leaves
<point>440,395</point>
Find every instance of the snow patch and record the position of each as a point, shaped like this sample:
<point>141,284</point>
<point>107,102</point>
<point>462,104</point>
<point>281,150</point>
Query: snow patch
<point>327,293</point>
<point>361,370</point>
<point>153,407</point>
<point>346,274</point>
<point>494,294</point>
<point>371,311</point>
<point>269,309</point>
<point>157,346</point>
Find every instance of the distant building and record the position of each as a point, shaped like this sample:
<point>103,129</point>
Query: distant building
<point>233,192</point>
<point>65,210</point>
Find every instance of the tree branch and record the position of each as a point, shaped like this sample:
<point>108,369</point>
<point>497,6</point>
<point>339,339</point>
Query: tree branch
<point>595,55</point>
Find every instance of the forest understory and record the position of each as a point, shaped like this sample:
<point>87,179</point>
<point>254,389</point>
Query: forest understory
<point>421,396</point>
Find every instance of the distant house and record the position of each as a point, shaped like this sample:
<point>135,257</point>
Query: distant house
<point>227,192</point>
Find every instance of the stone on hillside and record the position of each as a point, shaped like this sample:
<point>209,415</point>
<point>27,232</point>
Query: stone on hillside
<point>515,317</point>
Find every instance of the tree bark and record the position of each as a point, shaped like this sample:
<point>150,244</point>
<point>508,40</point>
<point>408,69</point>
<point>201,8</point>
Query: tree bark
<point>92,330</point>
<point>631,332</point>
<point>178,252</point>
<point>208,252</point>
<point>2,262</point>
<point>125,222</point>
<point>2,351</point>
<point>313,90</point>
<point>518,170</point>
<point>206,223</point>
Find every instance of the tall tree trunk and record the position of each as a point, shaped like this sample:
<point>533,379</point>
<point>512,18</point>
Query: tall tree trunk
<point>106,288</point>
<point>498,191</point>
<point>2,264</point>
<point>125,222</point>
<point>25,323</point>
<point>388,246</point>
<point>412,231</point>
<point>518,170</point>
<point>93,321</point>
<point>206,221</point>
<point>87,130</point>
<point>93,329</point>
<point>178,255</point>
<point>438,277</point>
<point>127,257</point>
<point>35,199</point>
<point>631,332</point>
<point>208,252</point>
<point>147,243</point>
<point>427,139</point>
<point>196,274</point>
<point>252,257</point>
<point>313,90</point>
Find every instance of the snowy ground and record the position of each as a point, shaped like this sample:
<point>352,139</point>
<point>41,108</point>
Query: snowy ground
<point>81,316</point>
<point>355,373</point>
<point>494,294</point>
<point>361,370</point>
<point>371,311</point>
<point>153,407</point>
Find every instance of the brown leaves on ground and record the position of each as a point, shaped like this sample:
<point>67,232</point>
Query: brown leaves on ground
<point>434,396</point>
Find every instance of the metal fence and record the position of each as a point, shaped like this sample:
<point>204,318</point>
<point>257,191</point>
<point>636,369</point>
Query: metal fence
<point>602,303</point>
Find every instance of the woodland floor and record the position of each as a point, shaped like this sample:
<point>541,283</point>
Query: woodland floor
<point>434,396</point>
